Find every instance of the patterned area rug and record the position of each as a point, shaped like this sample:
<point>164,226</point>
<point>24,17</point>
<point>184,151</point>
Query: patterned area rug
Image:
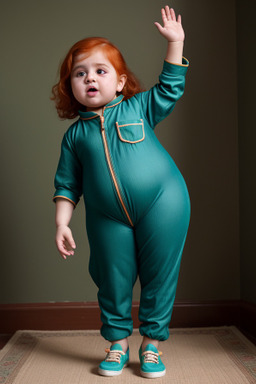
<point>192,356</point>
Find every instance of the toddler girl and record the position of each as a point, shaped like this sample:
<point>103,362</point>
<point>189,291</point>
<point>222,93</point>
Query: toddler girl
<point>137,204</point>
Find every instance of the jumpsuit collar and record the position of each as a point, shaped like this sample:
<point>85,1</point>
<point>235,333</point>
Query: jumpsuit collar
<point>91,115</point>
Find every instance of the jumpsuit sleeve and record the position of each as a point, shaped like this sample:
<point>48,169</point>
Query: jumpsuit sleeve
<point>68,178</point>
<point>160,100</point>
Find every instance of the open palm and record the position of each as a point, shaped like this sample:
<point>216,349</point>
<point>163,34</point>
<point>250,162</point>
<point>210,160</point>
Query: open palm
<point>172,28</point>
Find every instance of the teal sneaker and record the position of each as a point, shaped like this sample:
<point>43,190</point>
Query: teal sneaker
<point>151,365</point>
<point>114,362</point>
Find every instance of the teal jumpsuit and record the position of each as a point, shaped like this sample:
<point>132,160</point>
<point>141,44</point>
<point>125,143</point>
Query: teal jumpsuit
<point>137,204</point>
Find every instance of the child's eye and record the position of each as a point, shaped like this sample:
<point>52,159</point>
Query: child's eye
<point>80,74</point>
<point>101,71</point>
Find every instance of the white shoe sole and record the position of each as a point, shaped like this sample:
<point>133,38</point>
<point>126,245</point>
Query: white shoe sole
<point>104,372</point>
<point>152,375</point>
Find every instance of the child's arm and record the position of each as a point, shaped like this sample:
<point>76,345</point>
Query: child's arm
<point>172,30</point>
<point>159,101</point>
<point>64,239</point>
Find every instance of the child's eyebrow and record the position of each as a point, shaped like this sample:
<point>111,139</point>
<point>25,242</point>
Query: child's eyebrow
<point>102,65</point>
<point>78,67</point>
<point>81,66</point>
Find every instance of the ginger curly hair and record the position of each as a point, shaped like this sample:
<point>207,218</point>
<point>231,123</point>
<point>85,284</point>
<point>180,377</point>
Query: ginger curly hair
<point>66,104</point>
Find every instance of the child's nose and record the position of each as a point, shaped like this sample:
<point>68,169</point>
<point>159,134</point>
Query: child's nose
<point>90,78</point>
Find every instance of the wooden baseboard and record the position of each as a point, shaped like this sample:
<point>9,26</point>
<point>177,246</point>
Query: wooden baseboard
<point>247,322</point>
<point>49,316</point>
<point>76,316</point>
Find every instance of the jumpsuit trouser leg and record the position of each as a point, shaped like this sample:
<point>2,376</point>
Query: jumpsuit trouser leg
<point>160,237</point>
<point>113,267</point>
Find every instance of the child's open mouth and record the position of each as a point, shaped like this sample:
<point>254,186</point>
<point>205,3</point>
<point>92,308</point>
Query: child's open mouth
<point>92,91</point>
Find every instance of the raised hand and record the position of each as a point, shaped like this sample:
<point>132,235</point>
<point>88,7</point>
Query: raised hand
<point>172,28</point>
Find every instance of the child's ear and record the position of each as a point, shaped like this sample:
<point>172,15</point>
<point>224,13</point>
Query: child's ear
<point>121,83</point>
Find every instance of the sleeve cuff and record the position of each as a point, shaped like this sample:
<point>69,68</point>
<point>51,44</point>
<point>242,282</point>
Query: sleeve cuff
<point>64,194</point>
<point>176,69</point>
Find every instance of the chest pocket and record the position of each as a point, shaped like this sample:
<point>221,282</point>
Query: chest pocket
<point>131,131</point>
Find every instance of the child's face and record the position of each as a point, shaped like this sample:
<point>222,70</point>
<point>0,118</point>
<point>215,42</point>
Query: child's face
<point>94,81</point>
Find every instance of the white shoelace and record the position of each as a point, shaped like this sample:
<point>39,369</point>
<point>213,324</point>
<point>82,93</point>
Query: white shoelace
<point>151,357</point>
<point>114,355</point>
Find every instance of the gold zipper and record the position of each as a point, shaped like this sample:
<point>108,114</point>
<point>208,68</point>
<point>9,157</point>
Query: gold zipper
<point>112,172</point>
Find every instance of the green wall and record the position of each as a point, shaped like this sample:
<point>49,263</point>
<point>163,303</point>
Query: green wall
<point>246,42</point>
<point>201,135</point>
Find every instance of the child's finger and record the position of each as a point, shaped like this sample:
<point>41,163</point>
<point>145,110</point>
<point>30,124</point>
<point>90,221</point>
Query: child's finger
<point>179,19</point>
<point>168,12</point>
<point>68,248</point>
<point>62,248</point>
<point>172,14</point>
<point>164,16</point>
<point>65,253</point>
<point>159,26</point>
<point>70,242</point>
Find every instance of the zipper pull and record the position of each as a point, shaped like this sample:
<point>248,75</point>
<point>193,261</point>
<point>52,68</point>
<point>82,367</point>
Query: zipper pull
<point>102,123</point>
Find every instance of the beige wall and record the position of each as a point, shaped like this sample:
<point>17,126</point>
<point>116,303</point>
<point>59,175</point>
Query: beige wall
<point>201,135</point>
